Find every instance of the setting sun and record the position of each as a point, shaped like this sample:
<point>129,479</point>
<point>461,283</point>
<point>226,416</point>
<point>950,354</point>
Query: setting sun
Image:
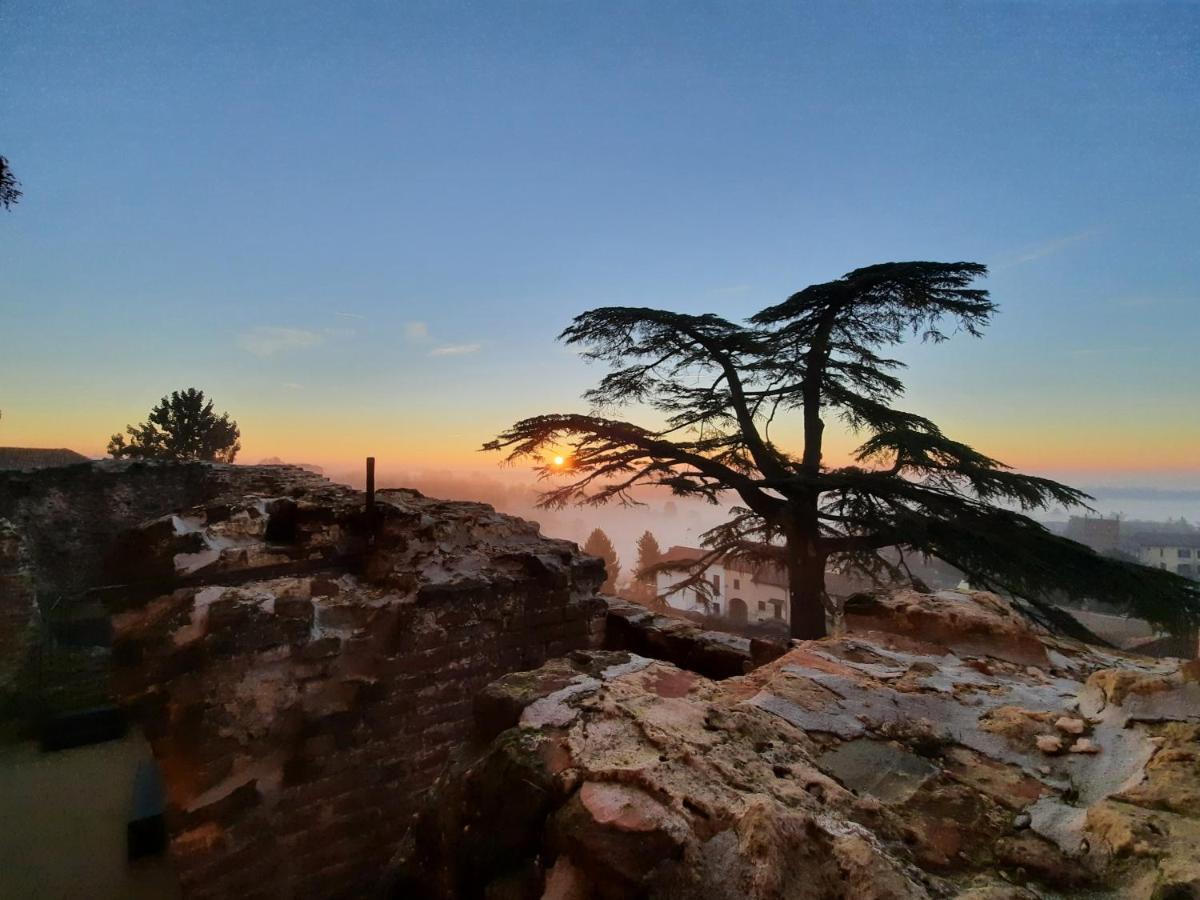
<point>558,460</point>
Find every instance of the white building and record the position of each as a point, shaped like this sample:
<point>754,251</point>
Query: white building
<point>1178,553</point>
<point>740,591</point>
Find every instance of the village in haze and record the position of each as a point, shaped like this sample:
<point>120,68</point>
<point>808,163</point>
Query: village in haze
<point>677,527</point>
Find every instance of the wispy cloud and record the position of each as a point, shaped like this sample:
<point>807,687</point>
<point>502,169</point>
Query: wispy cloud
<point>292,386</point>
<point>346,315</point>
<point>1047,248</point>
<point>416,331</point>
<point>268,340</point>
<point>455,349</point>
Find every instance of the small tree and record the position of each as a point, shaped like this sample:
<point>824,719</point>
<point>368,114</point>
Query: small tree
<point>718,388</point>
<point>599,545</point>
<point>10,188</point>
<point>182,426</point>
<point>649,556</point>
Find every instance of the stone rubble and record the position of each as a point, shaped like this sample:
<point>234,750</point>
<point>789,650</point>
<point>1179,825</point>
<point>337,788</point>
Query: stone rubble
<point>19,615</point>
<point>895,761</point>
<point>303,671</point>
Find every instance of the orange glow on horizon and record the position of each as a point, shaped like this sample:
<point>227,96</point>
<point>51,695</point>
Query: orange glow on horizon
<point>451,441</point>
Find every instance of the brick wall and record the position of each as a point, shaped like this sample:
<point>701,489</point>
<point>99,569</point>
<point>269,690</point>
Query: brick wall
<point>18,609</point>
<point>298,718</point>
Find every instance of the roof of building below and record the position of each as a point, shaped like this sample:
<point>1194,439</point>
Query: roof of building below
<point>25,458</point>
<point>1149,539</point>
<point>678,554</point>
<point>760,573</point>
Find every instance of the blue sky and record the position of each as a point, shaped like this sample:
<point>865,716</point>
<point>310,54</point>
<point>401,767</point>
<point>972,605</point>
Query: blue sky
<point>359,226</point>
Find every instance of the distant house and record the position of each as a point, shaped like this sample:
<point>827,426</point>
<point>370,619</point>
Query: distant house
<point>26,458</point>
<point>757,593</point>
<point>742,591</point>
<point>1177,552</point>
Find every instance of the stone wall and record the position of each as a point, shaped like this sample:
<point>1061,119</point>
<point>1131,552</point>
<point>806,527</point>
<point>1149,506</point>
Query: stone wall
<point>71,516</point>
<point>713,654</point>
<point>303,672</point>
<point>18,608</point>
<point>942,749</point>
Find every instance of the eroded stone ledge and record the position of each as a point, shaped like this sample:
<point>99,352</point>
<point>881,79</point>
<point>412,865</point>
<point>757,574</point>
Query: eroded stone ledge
<point>892,762</point>
<point>303,673</point>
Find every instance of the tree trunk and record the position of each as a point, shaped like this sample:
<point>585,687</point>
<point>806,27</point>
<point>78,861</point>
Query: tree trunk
<point>806,589</point>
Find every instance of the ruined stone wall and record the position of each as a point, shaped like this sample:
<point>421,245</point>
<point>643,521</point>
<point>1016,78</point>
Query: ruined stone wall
<point>943,748</point>
<point>18,608</point>
<point>71,516</point>
<point>303,673</point>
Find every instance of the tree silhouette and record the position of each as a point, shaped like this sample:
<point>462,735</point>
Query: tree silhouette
<point>720,386</point>
<point>10,188</point>
<point>599,545</point>
<point>182,426</point>
<point>649,555</point>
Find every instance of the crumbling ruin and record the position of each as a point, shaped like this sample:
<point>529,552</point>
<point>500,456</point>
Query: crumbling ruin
<point>302,669</point>
<point>892,762</point>
<point>429,699</point>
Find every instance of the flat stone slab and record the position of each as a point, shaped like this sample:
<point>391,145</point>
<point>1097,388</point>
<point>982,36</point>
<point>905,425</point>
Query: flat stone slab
<point>879,768</point>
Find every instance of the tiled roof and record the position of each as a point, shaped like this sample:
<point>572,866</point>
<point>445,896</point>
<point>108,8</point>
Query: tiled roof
<point>761,573</point>
<point>37,458</point>
<point>682,555</point>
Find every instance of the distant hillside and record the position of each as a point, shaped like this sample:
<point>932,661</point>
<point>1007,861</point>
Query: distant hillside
<point>26,458</point>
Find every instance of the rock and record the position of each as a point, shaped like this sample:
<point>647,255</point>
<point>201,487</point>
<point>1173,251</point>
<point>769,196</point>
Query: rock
<point>20,618</point>
<point>1070,725</point>
<point>629,626</point>
<point>868,764</point>
<point>420,698</point>
<point>1050,743</point>
<point>1084,745</point>
<point>302,672</point>
<point>977,624</point>
<point>1042,860</point>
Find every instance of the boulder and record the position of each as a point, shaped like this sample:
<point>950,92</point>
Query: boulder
<point>874,764</point>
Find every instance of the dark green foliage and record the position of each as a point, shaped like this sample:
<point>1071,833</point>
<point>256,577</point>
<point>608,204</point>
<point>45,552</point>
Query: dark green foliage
<point>181,427</point>
<point>10,188</point>
<point>719,387</point>
<point>599,545</point>
<point>649,556</point>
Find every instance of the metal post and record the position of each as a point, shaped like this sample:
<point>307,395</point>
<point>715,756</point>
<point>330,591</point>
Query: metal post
<point>370,485</point>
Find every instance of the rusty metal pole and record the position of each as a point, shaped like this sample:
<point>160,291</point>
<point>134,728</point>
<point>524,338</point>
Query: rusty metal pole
<point>371,486</point>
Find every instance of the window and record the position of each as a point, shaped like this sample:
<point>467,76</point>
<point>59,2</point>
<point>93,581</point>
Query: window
<point>1185,569</point>
<point>716,584</point>
<point>778,606</point>
<point>1185,552</point>
<point>737,583</point>
<point>762,606</point>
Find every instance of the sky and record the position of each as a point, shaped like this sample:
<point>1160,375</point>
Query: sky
<point>359,226</point>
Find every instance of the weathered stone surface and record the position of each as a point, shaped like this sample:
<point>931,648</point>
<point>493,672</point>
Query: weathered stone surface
<point>19,615</point>
<point>302,671</point>
<point>715,654</point>
<point>874,764</point>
